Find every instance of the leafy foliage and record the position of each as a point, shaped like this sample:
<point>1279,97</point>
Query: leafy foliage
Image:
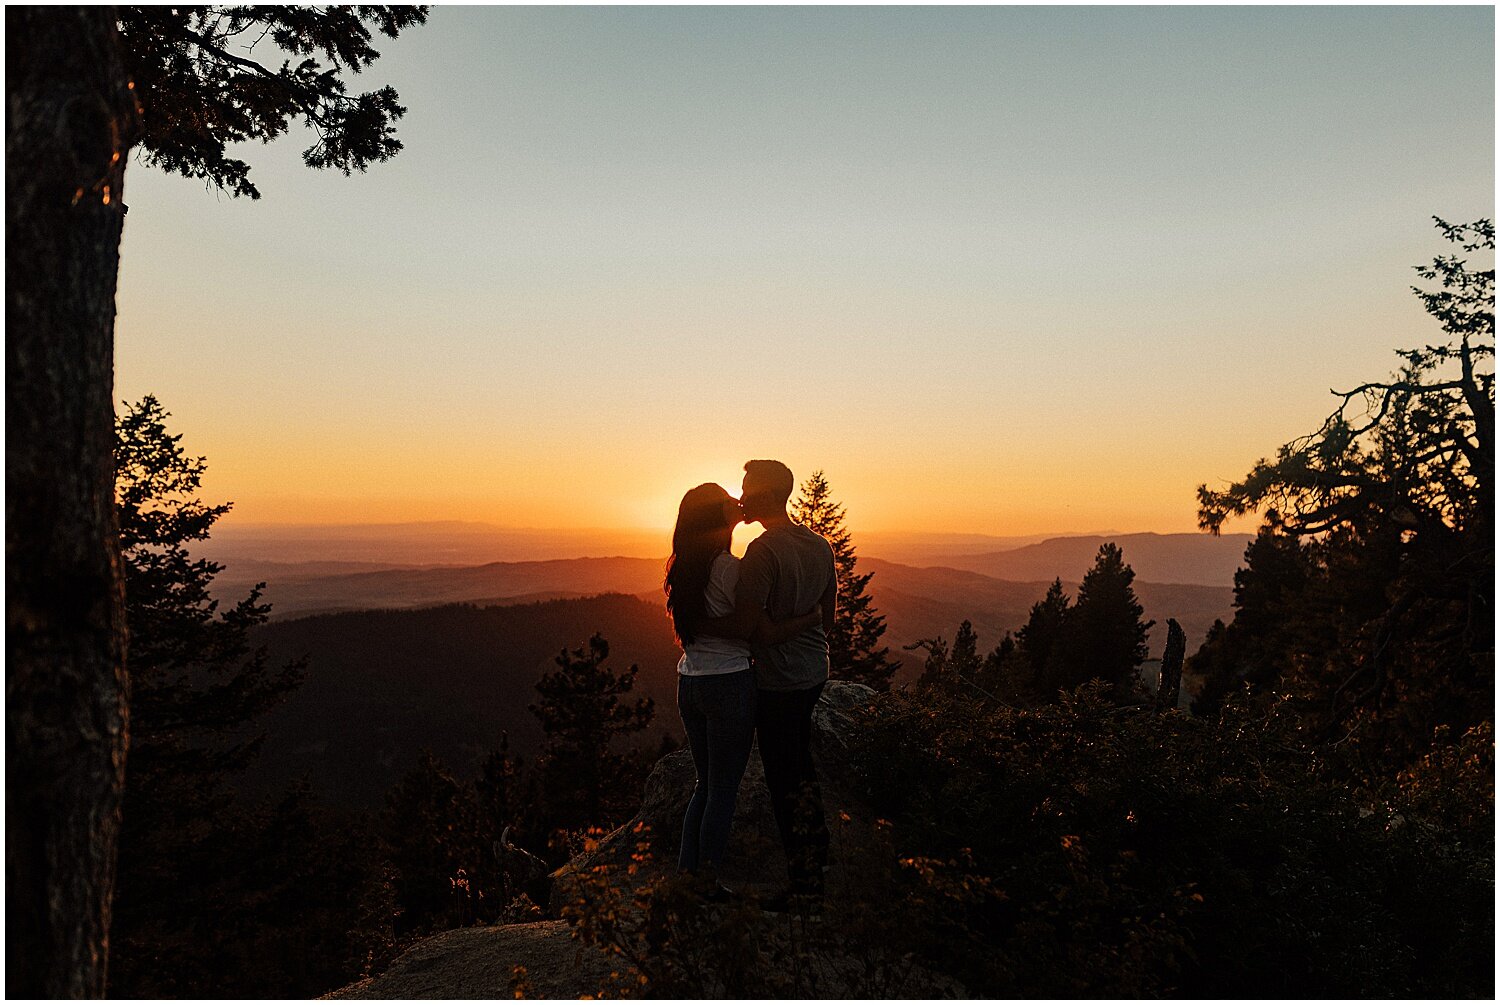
<point>673,943</point>
<point>854,649</point>
<point>1146,854</point>
<point>201,87</point>
<point>1079,849</point>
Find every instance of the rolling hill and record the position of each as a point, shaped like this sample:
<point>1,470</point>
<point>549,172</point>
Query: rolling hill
<point>306,588</point>
<point>383,685</point>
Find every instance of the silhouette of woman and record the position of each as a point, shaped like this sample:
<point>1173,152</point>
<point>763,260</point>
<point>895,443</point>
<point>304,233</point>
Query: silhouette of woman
<point>715,685</point>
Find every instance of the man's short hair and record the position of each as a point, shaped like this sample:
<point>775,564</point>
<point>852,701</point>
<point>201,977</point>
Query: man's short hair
<point>771,478</point>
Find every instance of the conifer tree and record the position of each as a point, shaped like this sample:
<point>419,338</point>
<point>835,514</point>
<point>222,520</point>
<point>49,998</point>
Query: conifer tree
<point>1043,629</point>
<point>1382,628</point>
<point>935,663</point>
<point>1271,603</point>
<point>965,659</point>
<point>197,686</point>
<point>504,798</point>
<point>999,656</point>
<point>1103,635</point>
<point>854,649</point>
<point>584,708</point>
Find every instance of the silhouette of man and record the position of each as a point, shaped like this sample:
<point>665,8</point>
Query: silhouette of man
<point>786,572</point>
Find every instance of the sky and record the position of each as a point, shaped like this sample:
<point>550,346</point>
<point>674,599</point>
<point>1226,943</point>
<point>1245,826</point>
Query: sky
<point>993,270</point>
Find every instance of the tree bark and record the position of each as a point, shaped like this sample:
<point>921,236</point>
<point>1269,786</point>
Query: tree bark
<point>71,118</point>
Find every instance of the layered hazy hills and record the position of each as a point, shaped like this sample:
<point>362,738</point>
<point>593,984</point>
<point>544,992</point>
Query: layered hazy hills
<point>999,577</point>
<point>454,542</point>
<point>445,657</point>
<point>321,587</point>
<point>1158,558</point>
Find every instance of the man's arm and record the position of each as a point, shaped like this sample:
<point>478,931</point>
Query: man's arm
<point>751,591</point>
<point>830,605</point>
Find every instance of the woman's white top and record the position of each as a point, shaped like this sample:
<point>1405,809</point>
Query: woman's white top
<point>708,654</point>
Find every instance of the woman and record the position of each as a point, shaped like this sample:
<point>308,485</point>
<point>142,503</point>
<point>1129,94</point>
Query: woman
<point>715,685</point>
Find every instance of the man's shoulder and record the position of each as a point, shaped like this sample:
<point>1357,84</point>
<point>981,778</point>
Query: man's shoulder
<point>812,538</point>
<point>789,539</point>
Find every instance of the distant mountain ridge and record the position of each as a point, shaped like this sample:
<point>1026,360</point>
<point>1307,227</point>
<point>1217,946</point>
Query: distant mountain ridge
<point>335,585</point>
<point>294,593</point>
<point>1199,559</point>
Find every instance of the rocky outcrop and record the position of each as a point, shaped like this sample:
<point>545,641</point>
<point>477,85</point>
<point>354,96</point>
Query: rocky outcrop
<point>480,963</point>
<point>755,859</point>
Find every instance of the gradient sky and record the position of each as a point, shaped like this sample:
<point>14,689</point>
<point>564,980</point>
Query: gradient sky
<point>1005,270</point>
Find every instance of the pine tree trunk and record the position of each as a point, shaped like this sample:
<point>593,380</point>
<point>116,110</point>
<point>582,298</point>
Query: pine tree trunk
<point>71,118</point>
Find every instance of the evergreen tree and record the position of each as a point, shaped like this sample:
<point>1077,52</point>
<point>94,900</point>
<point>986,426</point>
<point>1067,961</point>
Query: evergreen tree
<point>202,90</point>
<point>997,658</point>
<point>584,710</point>
<point>1271,608</point>
<point>429,830</point>
<point>935,664</point>
<point>998,671</point>
<point>70,119</point>
<point>854,649</point>
<point>1037,639</point>
<point>197,685</point>
<point>1103,635</point>
<point>964,658</point>
<point>503,796</point>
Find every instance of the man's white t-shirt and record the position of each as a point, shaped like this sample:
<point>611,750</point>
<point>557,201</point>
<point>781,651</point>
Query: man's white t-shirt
<point>708,654</point>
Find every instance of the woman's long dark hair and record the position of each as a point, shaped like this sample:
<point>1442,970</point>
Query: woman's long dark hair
<point>702,532</point>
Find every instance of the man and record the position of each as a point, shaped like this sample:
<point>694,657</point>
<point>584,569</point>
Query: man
<point>787,571</point>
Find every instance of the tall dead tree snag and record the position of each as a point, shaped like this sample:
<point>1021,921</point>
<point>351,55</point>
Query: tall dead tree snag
<point>1169,684</point>
<point>71,117</point>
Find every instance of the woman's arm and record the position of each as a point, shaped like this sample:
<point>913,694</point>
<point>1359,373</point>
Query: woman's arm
<point>762,630</point>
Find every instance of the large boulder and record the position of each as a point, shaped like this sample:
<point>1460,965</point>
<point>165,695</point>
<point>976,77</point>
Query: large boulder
<point>755,859</point>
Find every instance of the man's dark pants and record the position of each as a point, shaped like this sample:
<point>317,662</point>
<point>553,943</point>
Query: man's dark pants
<point>783,728</point>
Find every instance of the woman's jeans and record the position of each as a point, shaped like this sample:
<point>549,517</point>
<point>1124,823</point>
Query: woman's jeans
<point>718,712</point>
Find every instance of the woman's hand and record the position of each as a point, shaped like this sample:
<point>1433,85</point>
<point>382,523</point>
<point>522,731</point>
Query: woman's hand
<point>770,632</point>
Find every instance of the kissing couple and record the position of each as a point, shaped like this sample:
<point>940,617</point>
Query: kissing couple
<point>754,637</point>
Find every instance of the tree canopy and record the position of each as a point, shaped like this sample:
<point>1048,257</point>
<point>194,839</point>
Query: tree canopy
<point>1102,635</point>
<point>1415,452</point>
<point>1384,615</point>
<point>202,86</point>
<point>854,649</point>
